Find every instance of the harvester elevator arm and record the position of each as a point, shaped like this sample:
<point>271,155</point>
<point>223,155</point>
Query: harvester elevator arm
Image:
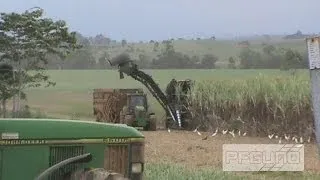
<point>126,66</point>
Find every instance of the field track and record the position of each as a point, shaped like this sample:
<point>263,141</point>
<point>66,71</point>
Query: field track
<point>188,148</point>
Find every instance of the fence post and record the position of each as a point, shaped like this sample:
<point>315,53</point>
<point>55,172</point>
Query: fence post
<point>313,48</point>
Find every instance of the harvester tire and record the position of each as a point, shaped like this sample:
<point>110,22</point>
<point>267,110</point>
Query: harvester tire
<point>170,124</point>
<point>153,123</point>
<point>96,174</point>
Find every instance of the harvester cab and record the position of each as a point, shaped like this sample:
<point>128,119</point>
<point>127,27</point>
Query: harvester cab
<point>171,107</point>
<point>137,102</point>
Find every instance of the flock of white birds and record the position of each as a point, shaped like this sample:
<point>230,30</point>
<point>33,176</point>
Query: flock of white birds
<point>285,137</point>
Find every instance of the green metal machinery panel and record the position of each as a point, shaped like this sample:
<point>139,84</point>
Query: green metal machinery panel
<point>24,162</point>
<point>60,153</point>
<point>1,164</point>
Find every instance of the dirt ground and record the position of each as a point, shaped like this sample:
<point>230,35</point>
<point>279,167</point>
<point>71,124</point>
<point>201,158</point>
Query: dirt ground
<point>189,149</point>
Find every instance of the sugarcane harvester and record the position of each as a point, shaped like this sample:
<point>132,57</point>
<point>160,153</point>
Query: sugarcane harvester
<point>172,109</point>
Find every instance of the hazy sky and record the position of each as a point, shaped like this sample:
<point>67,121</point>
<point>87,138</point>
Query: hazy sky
<point>163,19</point>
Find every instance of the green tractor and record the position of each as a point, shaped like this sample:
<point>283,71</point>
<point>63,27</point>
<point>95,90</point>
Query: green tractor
<point>53,149</point>
<point>124,106</point>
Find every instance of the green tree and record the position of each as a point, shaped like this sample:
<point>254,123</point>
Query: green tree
<point>81,59</point>
<point>6,86</point>
<point>27,39</point>
<point>143,61</point>
<point>272,57</point>
<point>292,60</point>
<point>101,40</point>
<point>250,59</point>
<point>168,47</point>
<point>231,63</point>
<point>268,49</point>
<point>102,61</point>
<point>155,46</point>
<point>209,61</point>
<point>82,40</point>
<point>196,60</point>
<point>124,43</point>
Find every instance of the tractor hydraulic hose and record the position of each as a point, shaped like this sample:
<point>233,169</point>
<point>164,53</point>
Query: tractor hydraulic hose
<point>77,159</point>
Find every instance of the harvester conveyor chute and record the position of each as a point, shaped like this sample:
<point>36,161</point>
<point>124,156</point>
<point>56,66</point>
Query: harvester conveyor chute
<point>126,66</point>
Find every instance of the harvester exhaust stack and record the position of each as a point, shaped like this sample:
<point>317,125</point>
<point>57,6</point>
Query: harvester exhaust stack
<point>120,60</point>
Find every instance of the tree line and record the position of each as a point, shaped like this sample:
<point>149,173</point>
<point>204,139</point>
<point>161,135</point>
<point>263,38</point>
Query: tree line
<point>166,57</point>
<point>270,58</point>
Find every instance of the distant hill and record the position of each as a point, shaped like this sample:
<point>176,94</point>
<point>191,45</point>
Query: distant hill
<point>223,49</point>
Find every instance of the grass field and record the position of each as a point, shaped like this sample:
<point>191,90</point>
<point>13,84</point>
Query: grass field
<point>166,171</point>
<point>72,94</point>
<point>192,157</point>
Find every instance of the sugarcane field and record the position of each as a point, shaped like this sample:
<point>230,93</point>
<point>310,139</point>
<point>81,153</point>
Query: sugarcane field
<point>88,100</point>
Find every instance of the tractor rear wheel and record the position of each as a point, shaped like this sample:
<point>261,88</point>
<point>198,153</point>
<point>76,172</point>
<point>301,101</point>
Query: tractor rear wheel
<point>152,125</point>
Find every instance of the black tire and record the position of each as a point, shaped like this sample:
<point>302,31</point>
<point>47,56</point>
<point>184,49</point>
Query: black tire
<point>170,124</point>
<point>152,123</point>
